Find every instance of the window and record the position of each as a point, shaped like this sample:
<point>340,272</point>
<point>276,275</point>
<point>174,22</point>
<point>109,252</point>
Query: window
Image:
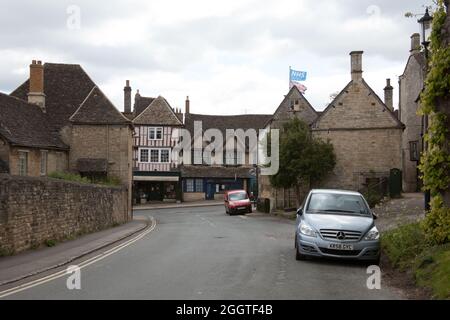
<point>165,155</point>
<point>190,185</point>
<point>199,185</point>
<point>154,155</point>
<point>143,155</point>
<point>44,157</point>
<point>23,163</point>
<point>414,151</point>
<point>155,133</point>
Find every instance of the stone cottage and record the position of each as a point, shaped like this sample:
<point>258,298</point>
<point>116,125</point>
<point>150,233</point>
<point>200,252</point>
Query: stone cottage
<point>59,120</point>
<point>365,132</point>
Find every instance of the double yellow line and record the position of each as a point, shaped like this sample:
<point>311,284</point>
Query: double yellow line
<point>82,265</point>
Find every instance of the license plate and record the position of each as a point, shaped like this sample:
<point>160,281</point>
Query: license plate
<point>242,208</point>
<point>340,246</point>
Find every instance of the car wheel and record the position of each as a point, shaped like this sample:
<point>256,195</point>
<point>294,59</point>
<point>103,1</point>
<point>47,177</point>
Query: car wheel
<point>249,209</point>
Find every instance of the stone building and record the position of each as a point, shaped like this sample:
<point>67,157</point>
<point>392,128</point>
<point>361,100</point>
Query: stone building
<point>365,132</point>
<point>59,120</point>
<point>410,86</point>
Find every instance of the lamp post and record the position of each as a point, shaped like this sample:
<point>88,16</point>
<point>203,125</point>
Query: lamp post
<point>425,23</point>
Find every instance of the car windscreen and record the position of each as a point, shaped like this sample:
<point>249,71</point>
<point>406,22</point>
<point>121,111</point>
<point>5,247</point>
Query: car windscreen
<point>337,204</point>
<point>238,196</point>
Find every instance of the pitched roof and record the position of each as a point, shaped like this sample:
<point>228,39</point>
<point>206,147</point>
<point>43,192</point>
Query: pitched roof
<point>293,90</point>
<point>245,122</point>
<point>159,112</point>
<point>24,124</point>
<point>214,172</point>
<point>97,109</point>
<point>372,93</point>
<point>66,86</point>
<point>141,103</point>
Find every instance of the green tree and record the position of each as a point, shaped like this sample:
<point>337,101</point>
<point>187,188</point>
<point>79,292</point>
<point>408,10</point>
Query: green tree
<point>303,158</point>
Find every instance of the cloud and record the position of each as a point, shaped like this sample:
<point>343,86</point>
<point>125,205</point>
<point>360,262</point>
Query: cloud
<point>229,57</point>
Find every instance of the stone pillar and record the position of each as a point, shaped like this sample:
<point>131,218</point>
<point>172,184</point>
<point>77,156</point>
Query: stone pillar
<point>356,65</point>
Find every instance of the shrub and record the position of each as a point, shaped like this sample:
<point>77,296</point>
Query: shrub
<point>436,225</point>
<point>404,244</point>
<point>69,177</point>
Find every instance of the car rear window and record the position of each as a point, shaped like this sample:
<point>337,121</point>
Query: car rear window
<point>238,196</point>
<point>337,204</point>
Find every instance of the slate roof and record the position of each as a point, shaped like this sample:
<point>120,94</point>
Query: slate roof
<point>92,165</point>
<point>66,86</point>
<point>214,172</point>
<point>245,122</point>
<point>159,112</point>
<point>97,109</point>
<point>141,103</point>
<point>24,124</point>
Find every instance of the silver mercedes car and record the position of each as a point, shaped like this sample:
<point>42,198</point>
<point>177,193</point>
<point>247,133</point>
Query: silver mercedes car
<point>336,224</point>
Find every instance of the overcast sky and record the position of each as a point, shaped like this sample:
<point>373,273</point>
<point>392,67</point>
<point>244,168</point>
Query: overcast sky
<point>230,56</point>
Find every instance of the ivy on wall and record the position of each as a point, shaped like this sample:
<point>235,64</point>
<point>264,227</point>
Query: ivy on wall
<point>435,162</point>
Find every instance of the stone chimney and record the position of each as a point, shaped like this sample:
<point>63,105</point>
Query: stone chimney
<point>179,114</point>
<point>36,91</point>
<point>356,65</point>
<point>389,95</point>
<point>415,44</point>
<point>127,97</point>
<point>137,96</point>
<point>188,105</point>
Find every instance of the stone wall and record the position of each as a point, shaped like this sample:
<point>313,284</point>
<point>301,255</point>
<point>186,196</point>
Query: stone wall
<point>34,210</point>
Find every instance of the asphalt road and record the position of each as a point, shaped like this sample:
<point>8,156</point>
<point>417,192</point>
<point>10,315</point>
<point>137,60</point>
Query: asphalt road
<point>201,253</point>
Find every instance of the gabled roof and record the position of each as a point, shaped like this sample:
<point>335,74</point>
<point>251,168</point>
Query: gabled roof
<point>419,57</point>
<point>97,109</point>
<point>141,103</point>
<point>24,124</point>
<point>66,86</point>
<point>159,112</point>
<point>372,93</point>
<point>286,97</point>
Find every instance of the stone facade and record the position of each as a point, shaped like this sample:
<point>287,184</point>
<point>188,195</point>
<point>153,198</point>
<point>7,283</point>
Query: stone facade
<point>410,87</point>
<point>35,210</point>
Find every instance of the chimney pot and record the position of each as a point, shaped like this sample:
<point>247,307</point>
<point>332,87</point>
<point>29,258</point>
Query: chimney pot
<point>356,65</point>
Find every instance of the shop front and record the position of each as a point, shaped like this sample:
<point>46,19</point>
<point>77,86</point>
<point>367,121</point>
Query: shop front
<point>156,187</point>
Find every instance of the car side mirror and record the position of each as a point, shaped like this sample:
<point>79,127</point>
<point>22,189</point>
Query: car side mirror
<point>375,217</point>
<point>300,212</point>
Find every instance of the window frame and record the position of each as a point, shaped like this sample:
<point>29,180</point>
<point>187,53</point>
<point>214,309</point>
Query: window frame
<point>23,156</point>
<point>149,156</point>
<point>154,131</point>
<point>43,168</point>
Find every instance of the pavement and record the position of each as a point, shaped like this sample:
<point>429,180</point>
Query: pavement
<point>202,253</point>
<point>35,262</point>
<point>395,212</point>
<point>193,204</point>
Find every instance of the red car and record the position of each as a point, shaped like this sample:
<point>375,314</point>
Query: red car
<point>237,201</point>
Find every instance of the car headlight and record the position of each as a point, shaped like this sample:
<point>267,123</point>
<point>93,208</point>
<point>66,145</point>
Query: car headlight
<point>373,234</point>
<point>307,230</point>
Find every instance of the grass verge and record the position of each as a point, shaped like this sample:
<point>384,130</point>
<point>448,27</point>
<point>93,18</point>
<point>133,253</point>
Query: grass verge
<point>408,251</point>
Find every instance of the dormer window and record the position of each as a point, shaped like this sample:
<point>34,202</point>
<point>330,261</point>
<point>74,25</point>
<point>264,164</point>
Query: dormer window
<point>155,133</point>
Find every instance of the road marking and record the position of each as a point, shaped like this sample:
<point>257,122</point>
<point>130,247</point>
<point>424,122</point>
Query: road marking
<point>82,265</point>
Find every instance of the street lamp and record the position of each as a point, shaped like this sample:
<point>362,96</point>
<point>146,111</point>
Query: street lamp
<point>425,23</point>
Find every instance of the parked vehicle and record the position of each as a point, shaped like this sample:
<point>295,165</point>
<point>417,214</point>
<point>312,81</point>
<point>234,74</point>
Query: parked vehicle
<point>237,201</point>
<point>336,224</point>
